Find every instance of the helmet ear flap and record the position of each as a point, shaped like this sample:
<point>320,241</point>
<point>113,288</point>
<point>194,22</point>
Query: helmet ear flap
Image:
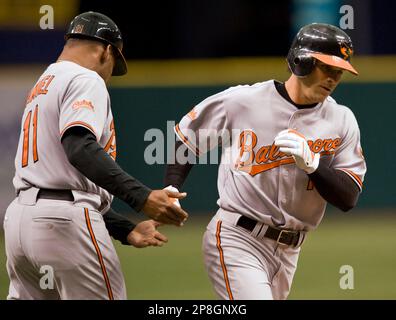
<point>300,64</point>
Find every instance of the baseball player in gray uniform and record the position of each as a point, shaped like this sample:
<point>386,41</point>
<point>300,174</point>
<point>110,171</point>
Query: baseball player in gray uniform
<point>288,149</point>
<point>66,177</point>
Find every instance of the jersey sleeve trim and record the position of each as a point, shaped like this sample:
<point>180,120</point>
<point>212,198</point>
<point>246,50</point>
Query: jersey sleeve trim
<point>184,139</point>
<point>81,124</point>
<point>354,177</point>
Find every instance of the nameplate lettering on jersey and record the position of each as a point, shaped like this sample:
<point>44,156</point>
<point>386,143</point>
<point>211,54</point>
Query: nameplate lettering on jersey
<point>40,88</point>
<point>257,160</point>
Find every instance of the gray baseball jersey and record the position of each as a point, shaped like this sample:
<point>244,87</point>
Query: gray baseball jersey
<point>69,238</point>
<point>80,98</point>
<point>258,181</point>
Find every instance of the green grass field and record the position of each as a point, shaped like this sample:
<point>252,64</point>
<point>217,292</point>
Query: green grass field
<point>176,271</point>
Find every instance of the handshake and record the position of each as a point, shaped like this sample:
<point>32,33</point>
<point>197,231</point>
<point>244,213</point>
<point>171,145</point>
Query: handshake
<point>164,206</point>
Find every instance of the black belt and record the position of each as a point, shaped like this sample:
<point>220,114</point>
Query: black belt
<point>54,194</point>
<point>290,238</point>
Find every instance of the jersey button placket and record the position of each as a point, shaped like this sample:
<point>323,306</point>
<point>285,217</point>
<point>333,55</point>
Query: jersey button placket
<point>293,120</point>
<point>286,178</point>
<point>283,186</point>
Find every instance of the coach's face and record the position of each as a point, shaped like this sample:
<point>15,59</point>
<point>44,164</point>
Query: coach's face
<point>321,82</point>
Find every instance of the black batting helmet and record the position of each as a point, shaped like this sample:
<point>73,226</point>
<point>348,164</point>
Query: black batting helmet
<point>97,26</point>
<point>324,42</point>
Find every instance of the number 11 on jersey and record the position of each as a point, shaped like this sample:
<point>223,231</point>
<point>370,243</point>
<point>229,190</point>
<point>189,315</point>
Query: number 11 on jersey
<point>26,134</point>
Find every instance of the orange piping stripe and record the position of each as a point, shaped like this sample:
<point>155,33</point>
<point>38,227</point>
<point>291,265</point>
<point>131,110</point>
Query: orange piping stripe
<point>185,140</point>
<point>223,266</point>
<point>100,257</point>
<point>354,176</point>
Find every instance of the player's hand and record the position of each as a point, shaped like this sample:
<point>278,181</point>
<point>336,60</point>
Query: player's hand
<point>160,206</point>
<point>294,143</point>
<point>146,234</point>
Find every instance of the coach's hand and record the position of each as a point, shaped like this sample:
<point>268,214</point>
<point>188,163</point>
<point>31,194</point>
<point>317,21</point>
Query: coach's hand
<point>146,234</point>
<point>294,143</point>
<point>175,200</point>
<point>160,206</point>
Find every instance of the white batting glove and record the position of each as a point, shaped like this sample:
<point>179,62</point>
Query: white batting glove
<point>173,189</point>
<point>294,143</point>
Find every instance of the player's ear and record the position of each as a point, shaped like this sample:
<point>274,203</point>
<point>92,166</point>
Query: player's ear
<point>109,52</point>
<point>106,54</point>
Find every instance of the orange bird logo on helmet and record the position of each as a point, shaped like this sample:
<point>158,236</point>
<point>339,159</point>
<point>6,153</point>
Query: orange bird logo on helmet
<point>346,51</point>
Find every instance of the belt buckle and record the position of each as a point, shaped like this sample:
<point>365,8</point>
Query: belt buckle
<point>280,236</point>
<point>278,240</point>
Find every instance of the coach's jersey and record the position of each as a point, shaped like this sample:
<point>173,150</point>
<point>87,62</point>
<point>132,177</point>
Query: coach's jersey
<point>66,95</point>
<point>255,178</point>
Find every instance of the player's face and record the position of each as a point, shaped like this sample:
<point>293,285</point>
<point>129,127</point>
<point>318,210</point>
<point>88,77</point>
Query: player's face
<point>322,81</point>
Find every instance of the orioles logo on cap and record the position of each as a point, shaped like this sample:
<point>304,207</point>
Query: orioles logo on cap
<point>79,28</point>
<point>346,51</point>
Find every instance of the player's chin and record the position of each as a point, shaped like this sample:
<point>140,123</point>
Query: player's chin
<point>321,94</point>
